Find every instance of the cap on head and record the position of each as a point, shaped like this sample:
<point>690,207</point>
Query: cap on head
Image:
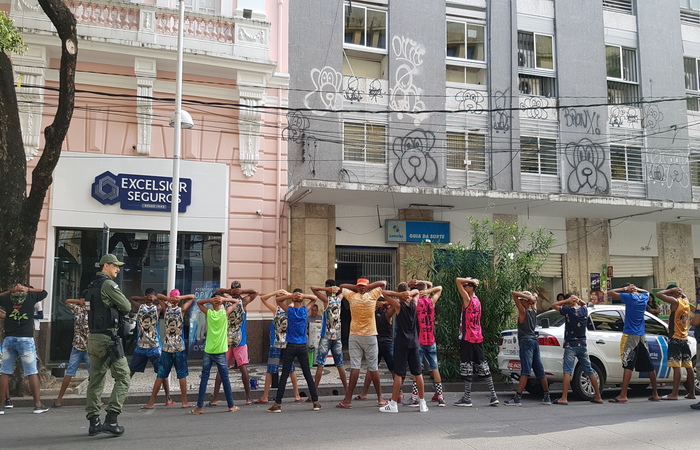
<point>110,259</point>
<point>175,293</point>
<point>362,282</point>
<point>235,284</point>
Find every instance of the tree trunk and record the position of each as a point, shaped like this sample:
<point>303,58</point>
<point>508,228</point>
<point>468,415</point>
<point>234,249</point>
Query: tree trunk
<point>21,211</point>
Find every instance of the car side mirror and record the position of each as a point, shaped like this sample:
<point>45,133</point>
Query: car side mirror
<point>544,323</point>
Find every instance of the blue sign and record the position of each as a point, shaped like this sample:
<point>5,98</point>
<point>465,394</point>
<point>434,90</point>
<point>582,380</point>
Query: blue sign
<point>140,192</point>
<point>415,231</point>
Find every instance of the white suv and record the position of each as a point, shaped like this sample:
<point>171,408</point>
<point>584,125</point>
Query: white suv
<point>603,340</point>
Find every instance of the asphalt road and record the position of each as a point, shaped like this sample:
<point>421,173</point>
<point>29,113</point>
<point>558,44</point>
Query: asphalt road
<point>638,424</point>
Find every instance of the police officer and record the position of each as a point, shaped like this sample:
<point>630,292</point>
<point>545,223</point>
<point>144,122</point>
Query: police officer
<point>106,306</point>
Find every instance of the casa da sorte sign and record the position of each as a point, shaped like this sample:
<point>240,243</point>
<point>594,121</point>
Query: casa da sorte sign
<point>140,192</point>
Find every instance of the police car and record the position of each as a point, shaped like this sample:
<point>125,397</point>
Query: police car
<point>603,340</point>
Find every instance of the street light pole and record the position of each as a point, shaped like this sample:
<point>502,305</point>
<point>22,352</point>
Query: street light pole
<point>174,202</point>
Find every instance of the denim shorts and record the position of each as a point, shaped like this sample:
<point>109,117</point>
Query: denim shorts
<point>429,352</point>
<point>139,361</point>
<point>570,355</point>
<point>336,347</point>
<point>168,360</point>
<point>14,347</point>
<point>76,357</point>
<point>530,358</point>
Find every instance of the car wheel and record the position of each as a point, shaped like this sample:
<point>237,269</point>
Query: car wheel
<point>581,384</point>
<point>534,387</point>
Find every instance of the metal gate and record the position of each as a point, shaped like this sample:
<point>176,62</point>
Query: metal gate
<point>372,263</point>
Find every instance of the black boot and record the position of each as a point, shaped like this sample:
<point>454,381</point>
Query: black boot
<point>95,425</point>
<point>111,426</point>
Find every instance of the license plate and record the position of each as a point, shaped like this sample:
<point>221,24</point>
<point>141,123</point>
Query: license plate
<point>514,365</point>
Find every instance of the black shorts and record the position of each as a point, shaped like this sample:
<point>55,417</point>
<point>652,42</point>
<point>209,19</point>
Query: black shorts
<point>470,352</point>
<point>386,352</point>
<point>406,358</point>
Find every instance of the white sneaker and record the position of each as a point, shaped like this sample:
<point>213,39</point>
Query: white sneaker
<point>423,407</point>
<point>390,407</point>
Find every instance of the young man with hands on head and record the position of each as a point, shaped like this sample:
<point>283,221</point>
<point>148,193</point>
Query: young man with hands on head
<point>634,352</point>
<point>471,342</point>
<point>576,313</point>
<point>530,360</point>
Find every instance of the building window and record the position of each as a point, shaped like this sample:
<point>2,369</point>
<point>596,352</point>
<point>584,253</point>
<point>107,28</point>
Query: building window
<point>626,163</point>
<point>465,52</point>
<point>621,63</point>
<point>364,143</point>
<point>690,12</point>
<point>538,155</point>
<point>202,6</point>
<point>466,151</point>
<point>365,27</point>
<point>690,67</point>
<point>621,6</point>
<point>536,64</point>
<point>695,168</point>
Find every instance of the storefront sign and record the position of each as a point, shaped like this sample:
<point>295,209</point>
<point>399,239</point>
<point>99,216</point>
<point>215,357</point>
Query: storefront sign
<point>415,231</point>
<point>140,192</point>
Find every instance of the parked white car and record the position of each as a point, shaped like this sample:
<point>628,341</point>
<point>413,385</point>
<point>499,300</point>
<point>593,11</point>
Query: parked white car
<point>603,340</point>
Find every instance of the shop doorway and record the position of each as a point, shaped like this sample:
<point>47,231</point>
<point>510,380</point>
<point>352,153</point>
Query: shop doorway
<point>145,255</point>
<point>352,263</point>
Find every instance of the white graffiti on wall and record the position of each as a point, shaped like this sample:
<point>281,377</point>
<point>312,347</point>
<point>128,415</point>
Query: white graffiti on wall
<point>405,95</point>
<point>328,91</point>
<point>668,169</point>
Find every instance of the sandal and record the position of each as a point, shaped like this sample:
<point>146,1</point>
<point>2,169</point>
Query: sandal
<point>357,397</point>
<point>261,402</point>
<point>212,405</point>
<point>343,405</point>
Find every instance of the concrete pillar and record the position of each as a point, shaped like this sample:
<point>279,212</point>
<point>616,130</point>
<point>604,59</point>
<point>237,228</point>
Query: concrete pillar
<point>588,249</point>
<point>312,244</point>
<point>675,260</point>
<point>415,250</point>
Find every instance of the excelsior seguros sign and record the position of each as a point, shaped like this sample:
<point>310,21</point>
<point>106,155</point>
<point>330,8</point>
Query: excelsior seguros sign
<point>140,192</point>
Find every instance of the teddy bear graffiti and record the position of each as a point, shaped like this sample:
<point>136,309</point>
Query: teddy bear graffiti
<point>586,159</point>
<point>414,159</point>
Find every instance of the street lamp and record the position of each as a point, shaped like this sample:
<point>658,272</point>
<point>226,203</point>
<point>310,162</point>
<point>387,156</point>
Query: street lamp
<point>180,119</point>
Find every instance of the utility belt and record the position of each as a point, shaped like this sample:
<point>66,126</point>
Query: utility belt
<point>115,347</point>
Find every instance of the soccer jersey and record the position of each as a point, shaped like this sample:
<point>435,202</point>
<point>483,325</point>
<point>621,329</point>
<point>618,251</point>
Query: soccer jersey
<point>635,306</point>
<point>678,321</point>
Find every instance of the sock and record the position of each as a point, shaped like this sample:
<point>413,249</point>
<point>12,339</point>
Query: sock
<point>467,389</point>
<point>438,389</point>
<point>489,382</point>
<point>414,391</point>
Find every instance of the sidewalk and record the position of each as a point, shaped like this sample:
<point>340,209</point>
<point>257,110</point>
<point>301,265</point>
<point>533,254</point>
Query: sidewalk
<point>142,384</point>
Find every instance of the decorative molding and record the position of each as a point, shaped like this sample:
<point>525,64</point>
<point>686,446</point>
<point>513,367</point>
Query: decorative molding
<point>256,36</point>
<point>30,80</point>
<point>145,71</point>
<point>249,130</point>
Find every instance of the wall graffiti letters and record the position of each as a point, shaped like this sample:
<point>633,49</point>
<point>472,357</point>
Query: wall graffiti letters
<point>582,118</point>
<point>328,86</point>
<point>501,114</point>
<point>535,107</point>
<point>405,94</point>
<point>375,90</point>
<point>352,91</point>
<point>667,169</point>
<point>415,163</point>
<point>586,159</point>
<point>470,101</point>
<point>623,116</point>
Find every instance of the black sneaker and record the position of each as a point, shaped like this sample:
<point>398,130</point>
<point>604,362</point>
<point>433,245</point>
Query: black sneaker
<point>95,426</point>
<point>695,405</point>
<point>40,409</point>
<point>9,404</point>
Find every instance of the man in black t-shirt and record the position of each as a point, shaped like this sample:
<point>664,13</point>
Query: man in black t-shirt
<point>18,304</point>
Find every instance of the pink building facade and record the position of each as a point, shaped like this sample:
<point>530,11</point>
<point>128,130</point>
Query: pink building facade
<point>110,190</point>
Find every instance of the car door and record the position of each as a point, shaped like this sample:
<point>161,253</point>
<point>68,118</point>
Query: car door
<point>657,341</point>
<point>604,341</point>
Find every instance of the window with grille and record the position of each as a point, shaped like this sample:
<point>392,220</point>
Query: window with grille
<point>621,6</point>
<point>538,155</point>
<point>202,6</point>
<point>536,64</point>
<point>695,168</point>
<point>373,263</point>
<point>623,82</point>
<point>466,52</point>
<point>364,142</point>
<point>626,163</point>
<point>690,67</point>
<point>365,27</point>
<point>690,12</point>
<point>466,151</point>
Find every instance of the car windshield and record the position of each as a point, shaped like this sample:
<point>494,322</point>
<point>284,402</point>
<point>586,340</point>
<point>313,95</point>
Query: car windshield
<point>555,319</point>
